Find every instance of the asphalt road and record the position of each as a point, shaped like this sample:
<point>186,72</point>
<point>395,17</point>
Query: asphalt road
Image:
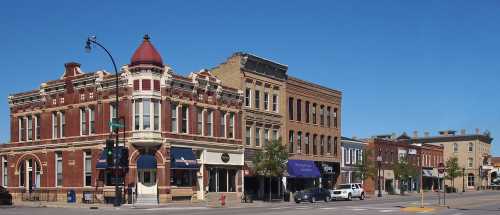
<point>483,203</point>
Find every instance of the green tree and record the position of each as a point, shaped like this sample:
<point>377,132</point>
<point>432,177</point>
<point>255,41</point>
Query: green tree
<point>366,168</point>
<point>403,171</point>
<point>271,161</point>
<point>452,170</point>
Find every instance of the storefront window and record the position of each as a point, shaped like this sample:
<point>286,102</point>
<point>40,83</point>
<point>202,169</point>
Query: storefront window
<point>221,180</point>
<point>182,177</point>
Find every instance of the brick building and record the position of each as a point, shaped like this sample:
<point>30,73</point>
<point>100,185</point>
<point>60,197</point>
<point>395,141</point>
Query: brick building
<point>183,134</point>
<point>352,155</point>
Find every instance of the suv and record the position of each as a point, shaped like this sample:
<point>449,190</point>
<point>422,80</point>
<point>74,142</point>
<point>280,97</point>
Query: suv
<point>348,191</point>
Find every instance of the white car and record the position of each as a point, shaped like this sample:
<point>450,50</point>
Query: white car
<point>348,191</point>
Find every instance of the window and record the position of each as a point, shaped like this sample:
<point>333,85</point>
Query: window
<point>136,85</point>
<point>315,151</point>
<point>22,129</point>
<point>184,119</point>
<point>266,101</point>
<point>257,99</point>
<point>290,108</point>
<point>230,132</point>
<point>156,115</point>
<point>55,125</point>
<point>471,147</point>
<point>275,134</point>
<point>222,125</point>
<point>59,169</point>
<point>37,127</point>
<point>266,136</point>
<point>470,162</point>
<point>314,113</point>
<point>91,121</point>
<point>346,156</point>
<point>221,180</point>
<point>112,111</point>
<point>290,141</point>
<point>307,143</point>
<point>329,145</point>
<point>248,133</point>
<point>335,118</point>
<point>173,117</point>
<point>322,145</point>
<point>299,110</point>
<point>299,142</point>
<point>322,115</point>
<point>5,172</point>
<point>470,180</point>
<point>307,111</point>
<point>179,177</point>
<point>87,168</point>
<point>156,85</point>
<point>62,118</point>
<point>83,122</point>
<point>328,117</point>
<point>146,84</point>
<point>257,136</point>
<point>30,128</point>
<point>146,114</point>
<point>247,97</point>
<point>137,114</point>
<point>455,147</point>
<point>199,121</point>
<point>275,103</point>
<point>210,117</point>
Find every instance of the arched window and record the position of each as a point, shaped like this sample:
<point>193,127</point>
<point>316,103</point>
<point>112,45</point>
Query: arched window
<point>470,180</point>
<point>29,174</point>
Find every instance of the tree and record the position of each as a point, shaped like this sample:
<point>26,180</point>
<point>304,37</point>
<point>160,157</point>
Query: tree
<point>452,170</point>
<point>271,161</point>
<point>366,168</point>
<point>403,171</point>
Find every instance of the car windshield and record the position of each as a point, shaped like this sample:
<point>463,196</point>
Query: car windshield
<point>344,186</point>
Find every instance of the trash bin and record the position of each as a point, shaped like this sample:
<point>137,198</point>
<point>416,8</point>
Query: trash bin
<point>71,196</point>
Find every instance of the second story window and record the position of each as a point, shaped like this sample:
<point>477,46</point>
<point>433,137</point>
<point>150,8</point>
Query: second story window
<point>59,169</point>
<point>247,97</point>
<point>137,115</point>
<point>266,136</point>
<point>335,118</point>
<point>322,145</point>
<point>257,99</point>
<point>299,142</point>
<point>266,101</point>
<point>56,128</point>
<point>222,127</point>
<point>290,141</point>
<point>37,127</point>
<point>230,132</point>
<point>306,113</point>
<point>62,118</point>
<point>22,129</point>
<point>275,103</point>
<point>335,142</point>
<point>199,121</point>
<point>156,115</point>
<point>306,143</point>
<point>5,171</point>
<point>322,115</point>
<point>248,135</point>
<point>91,121</point>
<point>471,147</point>
<point>146,108</point>
<point>257,136</point>
<point>470,162</point>
<point>314,113</point>
<point>210,118</point>
<point>83,121</point>
<point>290,108</point>
<point>184,119</point>
<point>299,110</point>
<point>328,117</point>
<point>329,145</point>
<point>30,128</point>
<point>314,143</point>
<point>275,134</point>
<point>173,117</point>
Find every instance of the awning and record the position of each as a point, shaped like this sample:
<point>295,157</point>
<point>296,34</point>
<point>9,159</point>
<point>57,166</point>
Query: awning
<point>302,169</point>
<point>146,162</point>
<point>102,163</point>
<point>183,158</point>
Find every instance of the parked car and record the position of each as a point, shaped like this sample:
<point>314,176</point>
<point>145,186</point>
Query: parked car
<point>5,197</point>
<point>348,191</point>
<point>312,195</point>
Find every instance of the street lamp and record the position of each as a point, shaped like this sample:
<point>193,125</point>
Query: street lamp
<point>88,47</point>
<point>379,161</point>
<point>463,180</point>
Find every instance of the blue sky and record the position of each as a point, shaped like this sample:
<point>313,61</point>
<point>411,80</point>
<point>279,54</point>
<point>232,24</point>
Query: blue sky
<point>402,65</point>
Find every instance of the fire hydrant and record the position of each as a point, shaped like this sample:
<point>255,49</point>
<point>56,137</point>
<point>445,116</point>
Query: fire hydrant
<point>222,200</point>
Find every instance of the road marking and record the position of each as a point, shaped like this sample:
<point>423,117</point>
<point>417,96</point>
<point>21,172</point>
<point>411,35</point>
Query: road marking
<point>176,208</point>
<point>385,211</point>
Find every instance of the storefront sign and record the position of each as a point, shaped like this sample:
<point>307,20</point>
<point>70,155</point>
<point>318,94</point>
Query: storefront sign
<point>225,157</point>
<point>222,158</point>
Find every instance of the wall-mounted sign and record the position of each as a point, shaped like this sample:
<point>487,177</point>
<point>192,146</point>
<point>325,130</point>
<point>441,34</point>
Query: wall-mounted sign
<point>225,157</point>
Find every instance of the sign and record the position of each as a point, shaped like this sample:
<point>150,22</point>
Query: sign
<point>412,152</point>
<point>225,157</point>
<point>115,125</point>
<point>440,168</point>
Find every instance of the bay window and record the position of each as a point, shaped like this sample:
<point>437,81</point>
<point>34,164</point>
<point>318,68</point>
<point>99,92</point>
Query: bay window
<point>146,108</point>
<point>156,115</point>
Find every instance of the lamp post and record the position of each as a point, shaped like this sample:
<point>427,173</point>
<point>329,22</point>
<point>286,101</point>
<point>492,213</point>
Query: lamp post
<point>92,40</point>
<point>379,161</point>
<point>463,180</point>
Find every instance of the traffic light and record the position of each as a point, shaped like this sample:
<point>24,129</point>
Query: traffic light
<point>110,145</point>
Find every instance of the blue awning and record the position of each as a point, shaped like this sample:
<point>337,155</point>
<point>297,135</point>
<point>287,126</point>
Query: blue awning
<point>302,169</point>
<point>183,158</point>
<point>146,162</point>
<point>101,163</point>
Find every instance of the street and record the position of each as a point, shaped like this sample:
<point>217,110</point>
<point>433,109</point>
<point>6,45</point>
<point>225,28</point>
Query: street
<point>468,203</point>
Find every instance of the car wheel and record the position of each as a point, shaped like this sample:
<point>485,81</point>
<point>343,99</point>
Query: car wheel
<point>362,197</point>
<point>327,199</point>
<point>349,197</point>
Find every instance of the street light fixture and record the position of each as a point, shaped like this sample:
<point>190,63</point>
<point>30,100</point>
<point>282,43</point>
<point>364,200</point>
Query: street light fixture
<point>379,161</point>
<point>88,47</point>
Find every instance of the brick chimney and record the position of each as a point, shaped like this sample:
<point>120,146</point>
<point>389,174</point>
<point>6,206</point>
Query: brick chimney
<point>71,69</point>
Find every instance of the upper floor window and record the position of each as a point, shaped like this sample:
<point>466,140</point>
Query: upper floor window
<point>322,145</point>
<point>314,143</point>
<point>146,84</point>
<point>335,142</point>
<point>30,128</point>
<point>257,136</point>
<point>230,132</point>
<point>22,129</point>
<point>222,128</point>
<point>136,85</point>
<point>37,127</point>
<point>307,111</point>
<point>247,97</point>
<point>299,110</point>
<point>266,100</point>
<point>314,113</point>
<point>335,117</point>
<point>91,121</point>
<point>328,117</point>
<point>112,112</point>
<point>470,162</point>
<point>455,147</point>
<point>290,141</point>
<point>322,115</point>
<point>62,118</point>
<point>275,134</point>
<point>275,103</point>
<point>173,117</point>
<point>471,147</point>
<point>210,118</point>
<point>329,145</point>
<point>146,113</point>
<point>137,114</point>
<point>156,85</point>
<point>184,119</point>
<point>5,171</point>
<point>87,170</point>
<point>156,115</point>
<point>199,121</point>
<point>299,142</point>
<point>306,141</point>
<point>257,99</point>
<point>83,121</point>
<point>266,136</point>
<point>290,108</point>
<point>248,136</point>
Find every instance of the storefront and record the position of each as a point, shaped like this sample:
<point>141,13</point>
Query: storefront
<point>329,173</point>
<point>430,178</point>
<point>302,174</point>
<point>222,173</point>
<point>184,167</point>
